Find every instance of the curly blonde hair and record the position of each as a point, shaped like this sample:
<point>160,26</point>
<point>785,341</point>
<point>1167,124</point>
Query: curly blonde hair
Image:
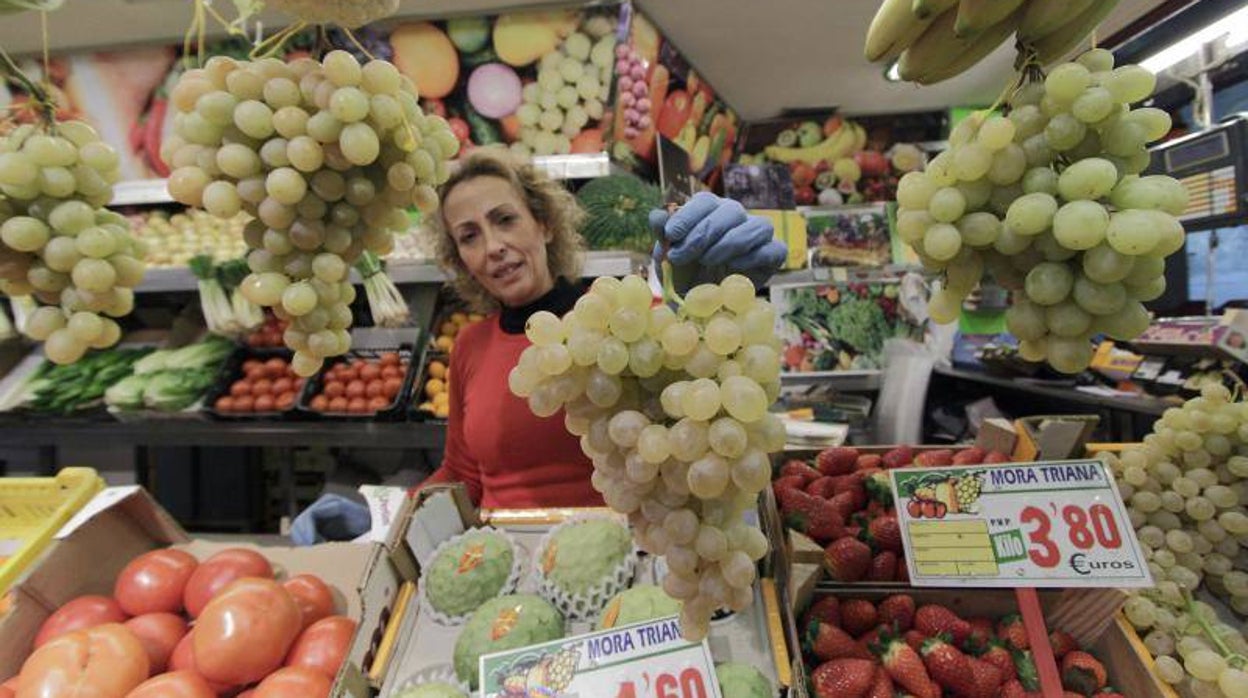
<point>551,204</point>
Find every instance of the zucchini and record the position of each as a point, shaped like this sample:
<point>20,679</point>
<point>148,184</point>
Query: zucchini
<point>483,130</point>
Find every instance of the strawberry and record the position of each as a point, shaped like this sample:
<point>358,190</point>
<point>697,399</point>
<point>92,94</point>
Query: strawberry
<point>903,573</point>
<point>825,610</point>
<point>884,534</point>
<point>1014,689</point>
<point>800,469</point>
<point>985,679</point>
<point>845,504</point>
<point>1025,668</point>
<point>1013,632</point>
<point>788,482</point>
<point>933,619</point>
<point>825,523</point>
<point>844,483</point>
<point>897,458</point>
<point>996,457</point>
<point>868,460</point>
<point>1082,673</point>
<point>998,656</point>
<point>932,459</point>
<point>883,685</point>
<point>906,669</point>
<point>858,616</point>
<point>837,461</point>
<point>915,639</point>
<point>871,637</point>
<point>883,567</point>
<point>946,665</point>
<point>843,678</point>
<point>847,560</point>
<point>983,631</point>
<point>1062,644</point>
<point>969,456</point>
<point>828,642</point>
<point>802,512</point>
<point>821,487</point>
<point>897,612</point>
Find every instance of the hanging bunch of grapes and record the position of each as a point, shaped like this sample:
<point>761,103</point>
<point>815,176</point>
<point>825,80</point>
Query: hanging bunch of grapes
<point>1050,202</point>
<point>58,244</point>
<point>326,156</point>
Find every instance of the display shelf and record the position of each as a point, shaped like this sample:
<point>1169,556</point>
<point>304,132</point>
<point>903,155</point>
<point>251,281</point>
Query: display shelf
<point>849,381</point>
<point>54,432</point>
<point>891,272</point>
<point>151,192</point>
<point>1142,405</point>
<point>599,263</point>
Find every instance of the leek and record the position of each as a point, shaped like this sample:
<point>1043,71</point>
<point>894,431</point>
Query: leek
<point>218,313</point>
<point>386,304</point>
<point>22,306</point>
<point>247,315</point>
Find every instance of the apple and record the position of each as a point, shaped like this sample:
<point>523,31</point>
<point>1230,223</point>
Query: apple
<point>809,133</point>
<point>831,125</point>
<point>803,174</point>
<point>804,196</point>
<point>872,163</point>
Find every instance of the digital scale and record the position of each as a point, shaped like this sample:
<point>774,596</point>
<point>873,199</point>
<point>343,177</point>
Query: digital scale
<point>1213,166</point>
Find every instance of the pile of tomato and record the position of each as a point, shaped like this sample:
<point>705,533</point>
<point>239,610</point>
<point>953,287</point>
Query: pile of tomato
<point>265,386</point>
<point>361,386</point>
<point>176,627</point>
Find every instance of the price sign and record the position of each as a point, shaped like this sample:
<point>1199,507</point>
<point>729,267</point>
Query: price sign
<point>645,660</point>
<point>1052,524</point>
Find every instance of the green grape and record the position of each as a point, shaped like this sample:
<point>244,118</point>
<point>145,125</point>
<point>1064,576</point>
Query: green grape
<point>1028,121</point>
<point>627,324</point>
<point>680,339</point>
<point>1131,232</point>
<point>1040,180</point>
<point>703,301</point>
<point>1080,225</point>
<point>1039,152</point>
<point>1067,81</point>
<point>1067,319</point>
<point>646,357</point>
<point>1031,214</point>
<point>1090,178</point>
<point>976,193</point>
<point>722,336</point>
<point>701,400</point>
<point>942,241</point>
<point>1010,243</point>
<point>911,225</point>
<point>1093,105</point>
<point>543,328</point>
<point>978,229</point>
<point>1064,132</point>
<point>972,161</point>
<point>915,190</point>
<point>1008,165</point>
<point>1149,291</point>
<point>1049,283</point>
<point>1033,350</point>
<point>1069,354</point>
<point>1026,320</point>
<point>1097,60</point>
<point>612,356</point>
<point>1130,83</point>
<point>947,205</point>
<point>1124,139</point>
<point>944,307</point>
<point>744,399</point>
<point>1104,264</point>
<point>1051,250</point>
<point>996,133</point>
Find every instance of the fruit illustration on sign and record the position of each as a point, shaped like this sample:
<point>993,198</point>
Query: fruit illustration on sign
<point>675,114</point>
<point>809,133</point>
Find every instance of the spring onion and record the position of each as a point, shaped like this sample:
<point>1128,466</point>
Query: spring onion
<point>218,313</point>
<point>387,305</point>
<point>247,315</point>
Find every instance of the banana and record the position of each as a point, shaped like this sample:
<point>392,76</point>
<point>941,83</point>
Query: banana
<point>1069,35</point>
<point>860,138</point>
<point>832,148</point>
<point>930,9</point>
<point>974,16</point>
<point>937,47</point>
<point>893,28</point>
<point>982,44</point>
<point>1043,16</point>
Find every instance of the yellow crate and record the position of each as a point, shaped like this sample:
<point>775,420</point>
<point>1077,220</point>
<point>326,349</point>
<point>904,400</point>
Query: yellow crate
<point>33,509</point>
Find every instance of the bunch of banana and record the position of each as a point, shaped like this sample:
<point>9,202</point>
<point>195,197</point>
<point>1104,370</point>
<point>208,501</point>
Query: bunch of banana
<point>850,138</point>
<point>934,40</point>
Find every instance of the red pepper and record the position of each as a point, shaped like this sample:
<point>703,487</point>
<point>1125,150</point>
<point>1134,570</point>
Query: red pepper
<point>152,135</point>
<point>135,137</point>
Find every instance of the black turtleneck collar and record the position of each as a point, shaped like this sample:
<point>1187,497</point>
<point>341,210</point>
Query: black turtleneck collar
<point>557,300</point>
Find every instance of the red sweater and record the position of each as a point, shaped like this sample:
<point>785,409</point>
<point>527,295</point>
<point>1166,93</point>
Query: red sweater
<point>507,456</point>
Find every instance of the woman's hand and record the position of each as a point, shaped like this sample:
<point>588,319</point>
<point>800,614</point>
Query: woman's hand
<point>717,235</point>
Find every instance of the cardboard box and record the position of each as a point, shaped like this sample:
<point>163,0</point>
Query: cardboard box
<point>1053,437</point>
<point>419,645</point>
<point>1223,336</point>
<point>126,522</point>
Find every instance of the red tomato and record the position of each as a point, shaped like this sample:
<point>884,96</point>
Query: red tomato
<point>244,404</point>
<point>293,682</point>
<point>338,404</point>
<point>374,388</point>
<point>216,573</point>
<point>263,386</point>
<point>355,388</point>
<point>251,364</point>
<point>312,595</point>
<point>282,385</point>
<point>370,372</point>
<point>246,631</point>
<point>320,403</point>
<point>159,633</point>
<point>323,646</point>
<point>389,358</point>
<point>391,372</point>
<point>81,613</point>
<point>265,403</point>
<point>178,684</point>
<point>183,659</point>
<point>285,401</point>
<point>225,404</point>
<point>357,405</point>
<point>240,388</point>
<point>153,582</point>
<point>376,404</point>
<point>105,661</point>
<point>335,389</point>
<point>276,367</point>
<point>391,387</point>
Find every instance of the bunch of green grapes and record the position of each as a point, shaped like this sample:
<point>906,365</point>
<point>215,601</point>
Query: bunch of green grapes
<point>326,156</point>
<point>967,491</point>
<point>573,85</point>
<point>1050,202</point>
<point>1186,488</point>
<point>58,243</point>
<point>672,407</point>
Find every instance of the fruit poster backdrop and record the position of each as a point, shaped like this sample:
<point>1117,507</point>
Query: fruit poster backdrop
<point>840,326</point>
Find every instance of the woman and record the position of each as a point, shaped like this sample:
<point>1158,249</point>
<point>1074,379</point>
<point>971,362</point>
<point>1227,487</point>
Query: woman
<point>508,234</point>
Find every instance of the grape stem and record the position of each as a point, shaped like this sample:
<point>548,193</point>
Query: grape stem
<point>36,92</point>
<point>1235,660</point>
<point>669,287</point>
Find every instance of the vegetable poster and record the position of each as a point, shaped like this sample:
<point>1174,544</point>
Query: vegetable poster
<point>840,326</point>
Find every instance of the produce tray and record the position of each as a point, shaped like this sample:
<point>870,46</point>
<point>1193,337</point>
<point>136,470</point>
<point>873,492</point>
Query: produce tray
<point>34,509</point>
<point>418,397</point>
<point>394,412</point>
<point>232,371</point>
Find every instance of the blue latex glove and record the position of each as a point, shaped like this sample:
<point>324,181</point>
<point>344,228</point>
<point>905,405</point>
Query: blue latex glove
<point>718,236</point>
<point>332,517</point>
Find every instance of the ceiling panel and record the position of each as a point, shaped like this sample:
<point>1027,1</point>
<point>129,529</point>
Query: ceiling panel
<point>761,56</point>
